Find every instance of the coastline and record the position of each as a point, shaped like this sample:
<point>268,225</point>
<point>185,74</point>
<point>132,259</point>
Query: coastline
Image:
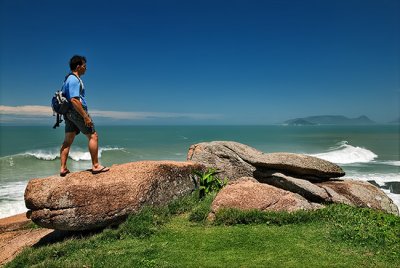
<point>356,149</point>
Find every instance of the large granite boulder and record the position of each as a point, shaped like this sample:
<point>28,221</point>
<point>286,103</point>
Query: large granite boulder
<point>247,193</point>
<point>82,201</point>
<point>299,165</point>
<point>236,160</point>
<point>230,158</point>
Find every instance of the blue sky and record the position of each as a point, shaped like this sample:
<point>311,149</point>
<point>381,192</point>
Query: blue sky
<point>203,62</point>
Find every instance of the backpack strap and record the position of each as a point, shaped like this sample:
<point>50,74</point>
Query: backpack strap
<point>80,81</point>
<point>58,121</point>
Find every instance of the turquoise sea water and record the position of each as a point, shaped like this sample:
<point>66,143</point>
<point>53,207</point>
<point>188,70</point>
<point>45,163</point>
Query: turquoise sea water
<point>364,152</point>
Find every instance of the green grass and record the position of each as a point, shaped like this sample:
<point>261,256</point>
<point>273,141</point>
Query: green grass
<point>179,236</point>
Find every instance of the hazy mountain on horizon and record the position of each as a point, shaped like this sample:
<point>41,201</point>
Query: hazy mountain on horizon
<point>330,120</point>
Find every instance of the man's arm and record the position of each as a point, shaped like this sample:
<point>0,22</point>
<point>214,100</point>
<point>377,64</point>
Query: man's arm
<point>78,107</point>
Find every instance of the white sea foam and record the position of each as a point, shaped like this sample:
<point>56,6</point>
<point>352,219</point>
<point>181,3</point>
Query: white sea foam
<point>43,154</point>
<point>345,153</point>
<point>394,197</point>
<point>74,154</point>
<point>12,198</point>
<point>390,163</point>
<point>379,178</point>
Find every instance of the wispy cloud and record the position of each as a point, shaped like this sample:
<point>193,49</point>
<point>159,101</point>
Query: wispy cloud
<point>28,110</point>
<point>45,111</point>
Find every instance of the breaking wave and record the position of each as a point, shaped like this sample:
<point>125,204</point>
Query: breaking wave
<point>391,163</point>
<point>74,154</point>
<point>12,198</point>
<point>344,153</point>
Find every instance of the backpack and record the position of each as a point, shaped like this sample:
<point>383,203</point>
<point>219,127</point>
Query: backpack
<point>60,104</point>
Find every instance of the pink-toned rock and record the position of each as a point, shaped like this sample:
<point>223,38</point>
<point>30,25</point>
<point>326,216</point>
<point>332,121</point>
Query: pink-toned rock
<point>82,201</point>
<point>247,194</point>
<point>360,194</point>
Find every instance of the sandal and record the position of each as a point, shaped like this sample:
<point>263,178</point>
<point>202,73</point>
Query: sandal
<point>104,169</point>
<point>63,174</point>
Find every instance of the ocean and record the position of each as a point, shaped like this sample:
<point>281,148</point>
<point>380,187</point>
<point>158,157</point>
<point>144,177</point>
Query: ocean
<point>369,153</point>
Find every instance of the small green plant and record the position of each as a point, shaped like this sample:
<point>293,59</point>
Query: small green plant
<point>31,225</point>
<point>209,182</point>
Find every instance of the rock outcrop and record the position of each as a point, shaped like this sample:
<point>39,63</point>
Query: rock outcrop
<point>312,178</point>
<point>247,193</point>
<point>283,181</point>
<point>82,201</point>
<point>237,160</point>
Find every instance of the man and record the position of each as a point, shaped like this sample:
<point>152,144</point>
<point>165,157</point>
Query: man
<point>77,118</point>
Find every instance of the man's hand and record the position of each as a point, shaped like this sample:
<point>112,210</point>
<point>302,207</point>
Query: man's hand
<point>88,121</point>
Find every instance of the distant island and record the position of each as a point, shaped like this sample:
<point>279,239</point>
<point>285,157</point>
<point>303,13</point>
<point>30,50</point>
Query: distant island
<point>329,120</point>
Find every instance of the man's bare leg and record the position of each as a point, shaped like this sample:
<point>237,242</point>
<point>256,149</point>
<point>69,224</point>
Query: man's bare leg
<point>94,150</point>
<point>64,151</point>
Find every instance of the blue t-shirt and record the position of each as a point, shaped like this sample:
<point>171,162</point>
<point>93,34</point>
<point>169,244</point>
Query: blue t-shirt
<point>71,89</point>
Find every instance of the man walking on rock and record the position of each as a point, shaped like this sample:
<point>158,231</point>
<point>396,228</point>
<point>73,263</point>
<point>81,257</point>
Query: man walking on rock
<point>77,118</point>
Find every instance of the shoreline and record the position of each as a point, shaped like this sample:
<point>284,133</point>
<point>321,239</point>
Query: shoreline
<point>352,148</point>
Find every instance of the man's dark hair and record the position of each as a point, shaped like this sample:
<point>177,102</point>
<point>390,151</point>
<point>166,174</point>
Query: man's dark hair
<point>75,61</point>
